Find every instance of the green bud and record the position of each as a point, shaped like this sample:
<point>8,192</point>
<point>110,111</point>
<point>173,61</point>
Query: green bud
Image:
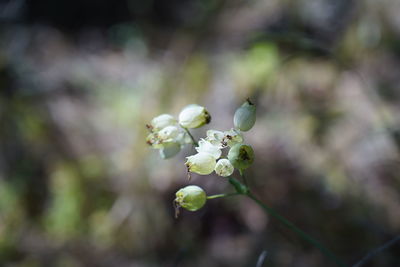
<point>245,116</point>
<point>191,198</point>
<point>241,156</point>
<point>169,150</point>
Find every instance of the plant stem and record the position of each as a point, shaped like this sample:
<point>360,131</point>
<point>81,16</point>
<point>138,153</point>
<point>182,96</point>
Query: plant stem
<point>191,137</point>
<point>223,195</point>
<point>295,229</point>
<point>243,177</point>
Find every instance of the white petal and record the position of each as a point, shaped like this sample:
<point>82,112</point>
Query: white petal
<point>215,137</point>
<point>208,148</point>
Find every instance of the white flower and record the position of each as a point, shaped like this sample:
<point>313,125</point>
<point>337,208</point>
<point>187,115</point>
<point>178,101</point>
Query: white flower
<point>201,163</point>
<point>169,133</point>
<point>162,121</point>
<point>223,139</point>
<point>215,137</point>
<point>170,140</point>
<point>194,116</point>
<point>224,167</point>
<point>232,137</point>
<point>208,148</point>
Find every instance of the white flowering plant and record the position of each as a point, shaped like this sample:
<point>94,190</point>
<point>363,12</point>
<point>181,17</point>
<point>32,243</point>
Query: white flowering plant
<point>170,135</point>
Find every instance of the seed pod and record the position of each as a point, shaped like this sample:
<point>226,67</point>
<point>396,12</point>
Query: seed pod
<point>191,197</point>
<point>245,116</point>
<point>241,156</point>
<point>224,168</point>
<point>194,116</point>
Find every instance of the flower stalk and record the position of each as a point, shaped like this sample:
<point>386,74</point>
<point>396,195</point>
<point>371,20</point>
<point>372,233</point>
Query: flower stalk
<point>223,195</point>
<point>194,142</point>
<point>242,189</point>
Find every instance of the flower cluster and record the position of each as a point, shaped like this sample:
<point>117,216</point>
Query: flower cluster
<point>209,151</point>
<point>170,135</point>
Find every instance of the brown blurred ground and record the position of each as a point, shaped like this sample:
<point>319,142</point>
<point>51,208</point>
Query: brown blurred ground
<point>78,82</point>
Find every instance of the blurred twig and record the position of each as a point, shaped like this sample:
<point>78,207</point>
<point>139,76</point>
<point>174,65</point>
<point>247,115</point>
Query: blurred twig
<point>261,258</point>
<point>376,251</point>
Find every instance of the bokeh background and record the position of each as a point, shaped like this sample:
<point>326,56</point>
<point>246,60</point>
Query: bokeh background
<point>80,79</point>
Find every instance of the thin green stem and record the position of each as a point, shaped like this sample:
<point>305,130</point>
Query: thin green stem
<point>295,229</point>
<point>243,177</point>
<point>243,189</point>
<point>191,137</point>
<point>223,195</point>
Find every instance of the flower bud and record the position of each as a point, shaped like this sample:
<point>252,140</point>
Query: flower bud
<point>169,150</point>
<point>201,163</point>
<point>241,156</point>
<point>245,116</point>
<point>194,116</point>
<point>208,148</point>
<point>191,198</point>
<point>162,121</point>
<point>224,168</point>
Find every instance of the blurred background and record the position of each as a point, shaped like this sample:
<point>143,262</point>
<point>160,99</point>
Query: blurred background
<point>80,79</point>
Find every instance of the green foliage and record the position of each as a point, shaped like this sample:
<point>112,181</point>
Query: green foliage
<point>64,216</point>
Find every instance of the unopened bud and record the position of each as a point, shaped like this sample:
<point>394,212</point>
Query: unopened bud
<point>191,197</point>
<point>201,163</point>
<point>194,116</point>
